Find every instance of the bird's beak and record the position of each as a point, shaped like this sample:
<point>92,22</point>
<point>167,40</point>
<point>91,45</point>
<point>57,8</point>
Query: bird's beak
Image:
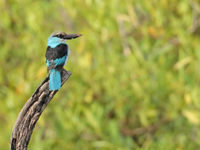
<point>71,36</point>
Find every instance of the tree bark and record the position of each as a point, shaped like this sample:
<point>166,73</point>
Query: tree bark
<point>31,112</point>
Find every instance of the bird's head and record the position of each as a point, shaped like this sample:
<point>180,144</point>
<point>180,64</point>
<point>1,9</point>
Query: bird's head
<point>57,38</point>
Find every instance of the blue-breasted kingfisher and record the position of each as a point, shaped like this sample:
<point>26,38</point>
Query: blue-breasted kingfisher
<point>57,54</point>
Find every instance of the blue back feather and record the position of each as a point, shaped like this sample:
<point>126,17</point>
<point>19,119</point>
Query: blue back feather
<point>55,80</point>
<point>59,61</point>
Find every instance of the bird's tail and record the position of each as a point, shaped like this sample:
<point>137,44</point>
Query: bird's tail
<point>55,80</point>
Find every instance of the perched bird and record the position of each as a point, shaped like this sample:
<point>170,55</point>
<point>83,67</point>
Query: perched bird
<point>57,54</point>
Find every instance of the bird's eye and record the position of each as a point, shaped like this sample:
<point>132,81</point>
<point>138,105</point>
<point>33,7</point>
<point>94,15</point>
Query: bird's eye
<point>60,36</point>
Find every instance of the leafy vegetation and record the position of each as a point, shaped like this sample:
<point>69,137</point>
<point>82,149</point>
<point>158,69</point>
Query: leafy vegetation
<point>135,73</point>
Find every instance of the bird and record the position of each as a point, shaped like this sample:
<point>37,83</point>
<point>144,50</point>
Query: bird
<point>57,54</point>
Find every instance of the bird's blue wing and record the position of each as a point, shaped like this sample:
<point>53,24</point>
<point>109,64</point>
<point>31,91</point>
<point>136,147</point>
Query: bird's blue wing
<point>60,61</point>
<point>57,62</point>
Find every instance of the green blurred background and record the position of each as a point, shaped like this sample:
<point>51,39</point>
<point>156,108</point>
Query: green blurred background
<point>135,73</point>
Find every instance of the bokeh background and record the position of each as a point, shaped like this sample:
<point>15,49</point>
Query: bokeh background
<point>135,73</point>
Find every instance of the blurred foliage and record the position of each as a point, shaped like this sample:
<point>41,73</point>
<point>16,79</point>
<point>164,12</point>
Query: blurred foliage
<point>136,64</point>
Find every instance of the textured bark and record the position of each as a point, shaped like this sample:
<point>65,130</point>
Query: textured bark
<point>31,112</point>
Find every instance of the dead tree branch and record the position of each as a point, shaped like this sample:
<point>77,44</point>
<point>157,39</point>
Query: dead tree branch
<point>31,112</point>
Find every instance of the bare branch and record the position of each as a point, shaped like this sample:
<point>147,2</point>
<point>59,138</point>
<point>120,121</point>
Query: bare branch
<point>31,112</point>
